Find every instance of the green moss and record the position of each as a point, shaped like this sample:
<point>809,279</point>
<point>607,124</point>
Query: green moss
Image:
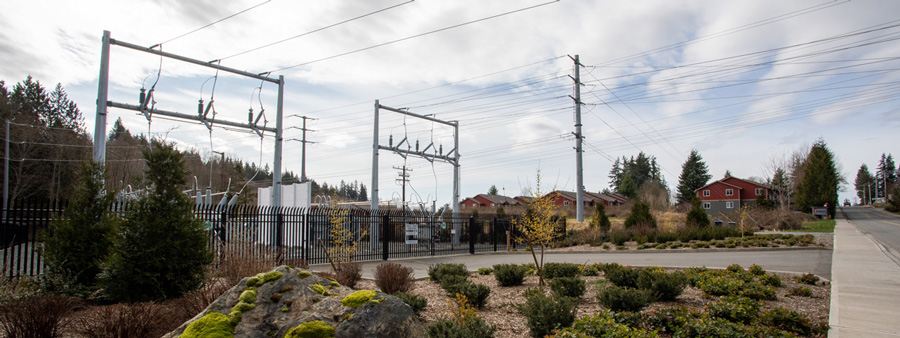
<point>263,278</point>
<point>248,296</point>
<point>303,274</point>
<point>313,329</point>
<point>253,281</point>
<point>275,298</point>
<point>286,289</point>
<point>212,325</point>
<point>284,309</point>
<point>318,288</point>
<point>238,311</point>
<point>358,298</point>
<point>333,284</point>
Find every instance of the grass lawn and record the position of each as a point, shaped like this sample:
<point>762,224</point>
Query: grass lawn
<point>818,226</point>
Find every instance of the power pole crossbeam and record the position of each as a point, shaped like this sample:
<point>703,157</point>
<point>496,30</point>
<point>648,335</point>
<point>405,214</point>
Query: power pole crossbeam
<point>188,116</point>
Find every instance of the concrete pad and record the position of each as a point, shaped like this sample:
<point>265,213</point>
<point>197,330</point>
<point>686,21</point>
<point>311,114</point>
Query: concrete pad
<point>865,293</point>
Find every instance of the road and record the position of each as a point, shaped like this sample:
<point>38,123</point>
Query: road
<point>881,226</point>
<point>809,260</point>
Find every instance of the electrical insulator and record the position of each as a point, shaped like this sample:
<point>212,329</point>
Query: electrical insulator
<point>250,116</point>
<point>391,141</point>
<point>441,150</point>
<point>417,145</point>
<point>200,107</point>
<point>143,96</point>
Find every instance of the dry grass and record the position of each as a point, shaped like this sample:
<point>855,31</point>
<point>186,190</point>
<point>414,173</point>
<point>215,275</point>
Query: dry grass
<point>44,317</point>
<point>127,320</point>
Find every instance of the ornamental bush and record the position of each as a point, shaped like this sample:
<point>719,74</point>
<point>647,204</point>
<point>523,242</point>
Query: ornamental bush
<point>786,320</point>
<point>622,276</point>
<point>556,270</point>
<point>735,309</point>
<point>808,278</point>
<point>415,302</point>
<point>568,286</point>
<point>469,327</point>
<point>392,278</point>
<point>662,285</point>
<point>546,313</point>
<point>438,271</point>
<point>509,274</point>
<point>623,299</point>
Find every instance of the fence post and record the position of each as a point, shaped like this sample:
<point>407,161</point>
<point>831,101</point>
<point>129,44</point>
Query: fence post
<point>279,235</point>
<point>472,236</point>
<point>494,232</point>
<point>385,236</point>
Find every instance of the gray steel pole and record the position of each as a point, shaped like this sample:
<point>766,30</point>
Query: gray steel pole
<point>303,155</point>
<point>102,98</point>
<point>579,170</point>
<point>276,175</point>
<point>456,223</point>
<point>6,172</point>
<point>373,239</point>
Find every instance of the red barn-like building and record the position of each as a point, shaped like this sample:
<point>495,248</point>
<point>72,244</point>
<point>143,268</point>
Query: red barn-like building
<point>731,193</point>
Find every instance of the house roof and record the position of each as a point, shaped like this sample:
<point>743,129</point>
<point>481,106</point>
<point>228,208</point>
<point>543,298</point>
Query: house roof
<point>500,199</point>
<point>722,181</point>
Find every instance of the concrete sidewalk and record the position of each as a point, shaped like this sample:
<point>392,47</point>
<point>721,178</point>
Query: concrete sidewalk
<point>865,289</point>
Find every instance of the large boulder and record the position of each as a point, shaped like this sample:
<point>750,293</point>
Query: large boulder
<point>291,303</point>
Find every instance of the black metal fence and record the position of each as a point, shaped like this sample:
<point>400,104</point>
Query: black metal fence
<point>289,234</point>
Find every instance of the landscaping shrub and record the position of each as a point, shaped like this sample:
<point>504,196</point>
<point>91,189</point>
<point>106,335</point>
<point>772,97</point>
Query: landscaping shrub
<point>758,291</point>
<point>588,270</point>
<point>786,320</point>
<point>735,268</point>
<point>622,276</point>
<point>127,320</point>
<point>619,237</point>
<point>473,327</point>
<point>696,217</point>
<point>349,274</point>
<point>77,241</point>
<point>711,327</point>
<point>756,270</point>
<point>546,313</point>
<point>568,286</point>
<point>670,320</point>
<point>161,250</point>
<point>801,291</point>
<point>640,217</point>
<point>623,299</point>
<point>735,309</point>
<point>43,316</point>
<point>485,271</point>
<point>392,278</point>
<point>452,283</point>
<point>556,270</point>
<point>415,302</point>
<point>437,271</point>
<point>509,274</point>
<point>602,324</point>
<point>807,278</point>
<point>770,280</point>
<point>476,293</point>
<point>720,285</point>
<point>662,285</point>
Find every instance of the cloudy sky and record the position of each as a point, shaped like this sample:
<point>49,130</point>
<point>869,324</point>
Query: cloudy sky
<point>744,82</point>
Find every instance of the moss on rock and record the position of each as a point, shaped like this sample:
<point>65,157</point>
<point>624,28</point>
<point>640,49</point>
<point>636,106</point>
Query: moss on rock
<point>263,278</point>
<point>212,325</point>
<point>313,329</point>
<point>318,288</point>
<point>304,274</point>
<point>248,296</point>
<point>358,298</point>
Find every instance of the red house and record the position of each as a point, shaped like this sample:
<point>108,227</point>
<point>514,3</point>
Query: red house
<point>485,200</point>
<point>731,193</point>
<point>568,198</point>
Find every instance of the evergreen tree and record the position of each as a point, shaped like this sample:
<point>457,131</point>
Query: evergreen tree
<point>820,180</point>
<point>493,190</point>
<point>887,168</point>
<point>863,184</point>
<point>615,175</point>
<point>600,220</point>
<point>161,251</point>
<point>694,175</point>
<point>696,217</point>
<point>640,216</point>
<point>82,237</point>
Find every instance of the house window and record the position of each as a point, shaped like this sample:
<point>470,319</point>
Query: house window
<point>729,205</point>
<point>707,205</point>
<point>464,206</point>
<point>758,191</point>
<point>492,205</point>
<point>706,194</point>
<point>566,203</point>
<point>729,192</point>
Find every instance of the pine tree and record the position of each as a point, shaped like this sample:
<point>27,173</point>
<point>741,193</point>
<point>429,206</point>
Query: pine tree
<point>694,175</point>
<point>863,184</point>
<point>82,237</point>
<point>161,251</point>
<point>640,217</point>
<point>493,190</point>
<point>820,180</point>
<point>600,220</point>
<point>696,217</point>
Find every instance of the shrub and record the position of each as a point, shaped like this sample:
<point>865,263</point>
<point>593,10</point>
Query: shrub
<point>588,270</point>
<point>477,294</point>
<point>438,271</point>
<point>556,270</point>
<point>43,316</point>
<point>162,249</point>
<point>619,237</point>
<point>787,320</point>
<point>568,286</point>
<point>662,285</point>
<point>509,274</point>
<point>473,327</point>
<point>622,276</point>
<point>349,274</point>
<point>696,217</point>
<point>756,270</point>
<point>127,320</point>
<point>770,280</point>
<point>602,324</point>
<point>801,291</point>
<point>600,220</point>
<point>546,313</point>
<point>640,217</point>
<point>392,278</point>
<point>78,240</point>
<point>720,285</point>
<point>485,271</point>
<point>758,291</point>
<point>623,299</point>
<point>415,302</point>
<point>452,283</point>
<point>808,278</point>
<point>735,309</point>
<point>735,268</point>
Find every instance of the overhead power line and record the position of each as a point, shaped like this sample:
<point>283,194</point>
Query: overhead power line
<point>415,36</point>
<point>213,23</point>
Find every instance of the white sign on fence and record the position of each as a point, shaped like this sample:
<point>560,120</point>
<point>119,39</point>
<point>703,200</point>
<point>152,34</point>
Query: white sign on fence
<point>412,234</point>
